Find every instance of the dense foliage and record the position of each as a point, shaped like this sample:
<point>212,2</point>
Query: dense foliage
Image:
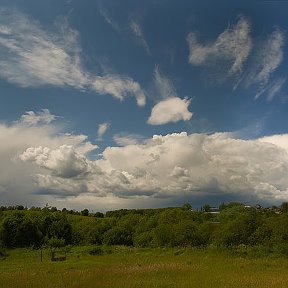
<point>234,226</point>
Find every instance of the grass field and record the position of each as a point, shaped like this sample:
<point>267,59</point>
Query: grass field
<point>124,267</point>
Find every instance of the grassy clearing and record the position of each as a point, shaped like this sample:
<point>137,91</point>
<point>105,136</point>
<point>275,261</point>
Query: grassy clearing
<point>126,267</point>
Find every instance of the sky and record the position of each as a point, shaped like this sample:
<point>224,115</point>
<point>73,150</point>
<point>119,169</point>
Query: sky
<point>141,104</point>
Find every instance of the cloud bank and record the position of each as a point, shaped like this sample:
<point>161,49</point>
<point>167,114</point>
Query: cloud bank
<point>40,161</point>
<point>34,129</point>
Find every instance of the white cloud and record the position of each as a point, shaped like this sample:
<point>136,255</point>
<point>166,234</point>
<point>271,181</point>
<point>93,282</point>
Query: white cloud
<point>128,139</point>
<point>17,178</point>
<point>275,88</point>
<point>280,140</point>
<point>164,85</point>
<point>64,161</point>
<point>39,159</point>
<point>170,110</point>
<point>31,56</point>
<point>119,87</point>
<point>137,30</point>
<point>177,165</point>
<point>227,55</point>
<point>102,129</point>
<point>269,57</point>
<point>233,45</point>
<point>42,117</point>
<point>109,19</point>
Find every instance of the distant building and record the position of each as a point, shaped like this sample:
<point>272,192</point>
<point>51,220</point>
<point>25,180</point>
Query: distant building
<point>214,210</point>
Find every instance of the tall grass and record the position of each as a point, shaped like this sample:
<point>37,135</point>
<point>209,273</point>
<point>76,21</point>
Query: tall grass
<point>127,267</point>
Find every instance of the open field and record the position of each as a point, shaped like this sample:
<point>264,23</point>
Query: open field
<point>124,267</point>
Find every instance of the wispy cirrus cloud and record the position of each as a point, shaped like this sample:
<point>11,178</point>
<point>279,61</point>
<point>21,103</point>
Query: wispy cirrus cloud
<point>251,62</point>
<point>137,31</point>
<point>269,55</point>
<point>275,88</point>
<point>232,46</point>
<point>31,56</point>
<point>164,86</point>
<point>120,87</point>
<point>32,118</point>
<point>108,18</point>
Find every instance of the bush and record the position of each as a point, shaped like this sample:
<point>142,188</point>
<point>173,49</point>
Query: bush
<point>118,236</point>
<point>56,242</point>
<point>144,239</point>
<point>3,253</point>
<point>96,251</point>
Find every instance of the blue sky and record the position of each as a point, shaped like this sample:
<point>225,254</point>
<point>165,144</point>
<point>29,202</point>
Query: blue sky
<point>112,104</point>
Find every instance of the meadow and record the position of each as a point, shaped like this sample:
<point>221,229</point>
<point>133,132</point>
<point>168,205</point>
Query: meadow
<point>142,267</point>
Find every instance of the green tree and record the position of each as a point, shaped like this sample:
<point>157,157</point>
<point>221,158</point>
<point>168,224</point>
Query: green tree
<point>206,208</point>
<point>187,206</point>
<point>20,230</point>
<point>284,207</point>
<point>85,212</point>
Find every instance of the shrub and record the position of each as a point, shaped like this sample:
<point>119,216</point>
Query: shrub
<point>96,251</point>
<point>56,242</point>
<point>3,253</point>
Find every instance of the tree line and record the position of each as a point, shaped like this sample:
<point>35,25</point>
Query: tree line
<point>236,225</point>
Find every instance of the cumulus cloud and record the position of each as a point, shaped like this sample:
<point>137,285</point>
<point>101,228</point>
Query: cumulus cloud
<point>170,110</point>
<point>17,177</point>
<point>280,140</point>
<point>179,165</point>
<point>31,56</point>
<point>137,30</point>
<point>34,118</point>
<point>102,129</point>
<point>64,161</point>
<point>39,164</point>
<point>233,45</point>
